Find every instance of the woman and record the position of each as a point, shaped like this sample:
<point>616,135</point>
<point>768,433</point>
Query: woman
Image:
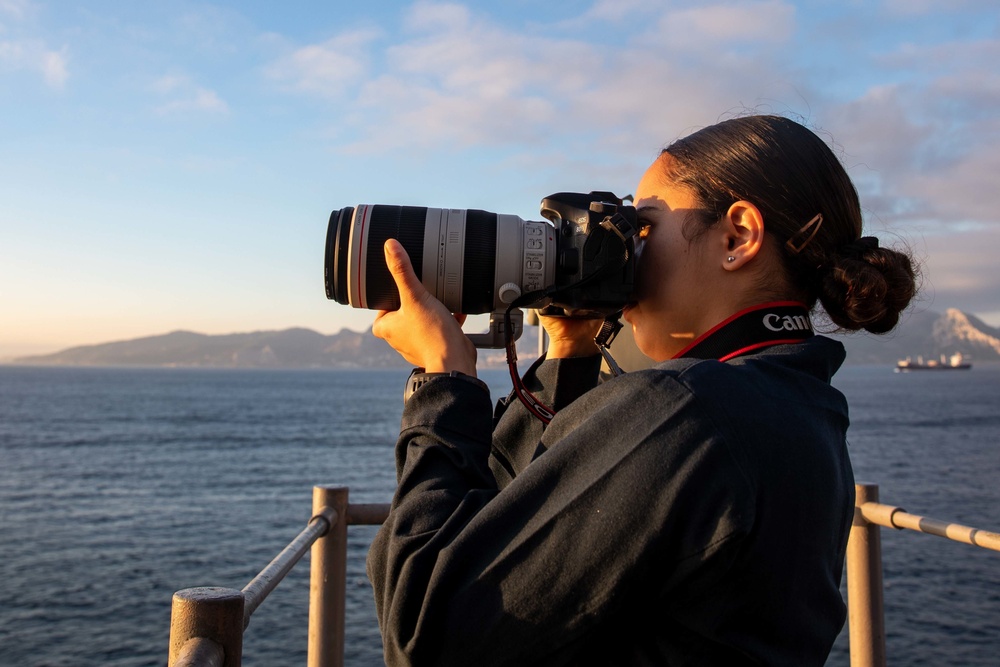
<point>695,513</point>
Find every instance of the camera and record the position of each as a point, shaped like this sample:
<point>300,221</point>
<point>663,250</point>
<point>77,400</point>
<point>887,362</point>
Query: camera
<point>580,258</point>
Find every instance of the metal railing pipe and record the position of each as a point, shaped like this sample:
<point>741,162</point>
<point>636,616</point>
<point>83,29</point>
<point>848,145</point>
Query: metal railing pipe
<point>328,581</point>
<point>200,652</point>
<point>896,517</point>
<point>372,514</point>
<point>261,586</point>
<point>208,614</point>
<point>866,616</point>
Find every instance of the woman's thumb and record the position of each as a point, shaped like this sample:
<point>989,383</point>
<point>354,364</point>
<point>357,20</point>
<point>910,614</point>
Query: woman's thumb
<point>399,266</point>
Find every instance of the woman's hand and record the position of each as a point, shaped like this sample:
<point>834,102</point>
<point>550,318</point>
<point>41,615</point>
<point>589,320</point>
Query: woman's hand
<point>571,336</point>
<point>422,330</point>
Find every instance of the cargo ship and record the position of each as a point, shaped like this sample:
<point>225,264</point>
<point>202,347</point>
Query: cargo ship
<point>952,363</point>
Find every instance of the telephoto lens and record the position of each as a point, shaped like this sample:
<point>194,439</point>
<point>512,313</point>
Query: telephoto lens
<point>472,261</point>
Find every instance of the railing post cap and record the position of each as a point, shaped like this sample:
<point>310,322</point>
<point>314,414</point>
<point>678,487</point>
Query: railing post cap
<point>208,595</point>
<point>865,492</point>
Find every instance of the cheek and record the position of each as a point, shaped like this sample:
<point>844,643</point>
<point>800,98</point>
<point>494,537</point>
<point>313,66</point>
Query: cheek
<point>649,267</point>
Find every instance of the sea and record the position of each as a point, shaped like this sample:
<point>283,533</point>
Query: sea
<point>119,486</point>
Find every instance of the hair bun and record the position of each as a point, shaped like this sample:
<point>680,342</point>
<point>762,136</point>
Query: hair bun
<point>867,287</point>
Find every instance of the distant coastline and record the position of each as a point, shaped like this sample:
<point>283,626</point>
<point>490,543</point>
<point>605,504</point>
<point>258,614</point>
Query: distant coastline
<point>289,348</point>
<point>922,333</point>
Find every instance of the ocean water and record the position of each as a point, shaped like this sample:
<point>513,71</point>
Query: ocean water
<point>120,486</point>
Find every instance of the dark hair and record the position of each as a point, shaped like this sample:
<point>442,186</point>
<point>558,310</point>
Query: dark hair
<point>791,175</point>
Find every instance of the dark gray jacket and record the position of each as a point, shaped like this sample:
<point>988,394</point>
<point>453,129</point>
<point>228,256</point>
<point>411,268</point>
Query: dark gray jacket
<point>692,514</point>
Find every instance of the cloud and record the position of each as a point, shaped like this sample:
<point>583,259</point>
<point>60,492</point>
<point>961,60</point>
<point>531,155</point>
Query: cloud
<point>16,9</point>
<point>429,15</point>
<point>961,270</point>
<point>326,69</point>
<point>34,55</point>
<point>912,8</point>
<point>720,26</point>
<point>170,83</point>
<point>182,95</point>
<point>457,79</point>
<point>621,10</point>
<point>31,54</point>
<point>201,99</point>
<point>53,67</point>
<point>922,140</point>
<point>930,144</point>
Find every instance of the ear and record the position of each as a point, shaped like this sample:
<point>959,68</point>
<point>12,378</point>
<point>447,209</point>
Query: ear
<point>743,234</point>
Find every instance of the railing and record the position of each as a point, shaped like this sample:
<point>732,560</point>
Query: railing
<point>866,618</point>
<point>207,624</point>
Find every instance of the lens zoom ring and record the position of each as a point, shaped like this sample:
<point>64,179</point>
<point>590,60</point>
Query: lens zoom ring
<point>480,261</point>
<point>405,224</point>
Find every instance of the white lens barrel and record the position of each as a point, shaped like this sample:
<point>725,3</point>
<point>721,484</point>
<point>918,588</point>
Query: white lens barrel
<point>525,256</point>
<point>444,255</point>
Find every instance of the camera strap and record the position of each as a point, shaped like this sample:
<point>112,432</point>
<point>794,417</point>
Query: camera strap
<point>609,331</point>
<point>755,328</point>
<point>768,324</point>
<point>541,411</point>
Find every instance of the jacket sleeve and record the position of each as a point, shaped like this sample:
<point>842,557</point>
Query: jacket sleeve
<point>608,518</point>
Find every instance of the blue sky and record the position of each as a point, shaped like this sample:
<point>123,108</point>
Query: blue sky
<point>172,165</point>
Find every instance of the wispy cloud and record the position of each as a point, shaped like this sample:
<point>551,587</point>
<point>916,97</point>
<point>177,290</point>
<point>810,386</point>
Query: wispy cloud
<point>34,55</point>
<point>326,69</point>
<point>931,143</point>
<point>28,53</point>
<point>621,10</point>
<point>911,8</point>
<point>16,9</point>
<point>182,95</point>
<point>459,79</point>
<point>961,269</point>
<point>53,65</point>
<point>720,26</point>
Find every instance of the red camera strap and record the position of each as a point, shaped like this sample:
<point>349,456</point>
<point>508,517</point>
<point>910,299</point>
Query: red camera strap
<point>758,327</point>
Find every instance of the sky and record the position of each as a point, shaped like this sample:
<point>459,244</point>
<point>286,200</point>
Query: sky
<point>172,165</point>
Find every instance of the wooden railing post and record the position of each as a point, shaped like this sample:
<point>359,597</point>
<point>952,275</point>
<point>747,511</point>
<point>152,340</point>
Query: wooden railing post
<point>206,627</point>
<point>328,581</point>
<point>866,617</point>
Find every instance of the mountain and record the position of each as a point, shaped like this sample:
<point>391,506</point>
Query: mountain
<point>923,333</point>
<point>292,348</point>
<point>926,334</point>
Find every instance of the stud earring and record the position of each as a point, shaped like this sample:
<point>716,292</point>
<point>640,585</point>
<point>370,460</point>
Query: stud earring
<point>730,259</point>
